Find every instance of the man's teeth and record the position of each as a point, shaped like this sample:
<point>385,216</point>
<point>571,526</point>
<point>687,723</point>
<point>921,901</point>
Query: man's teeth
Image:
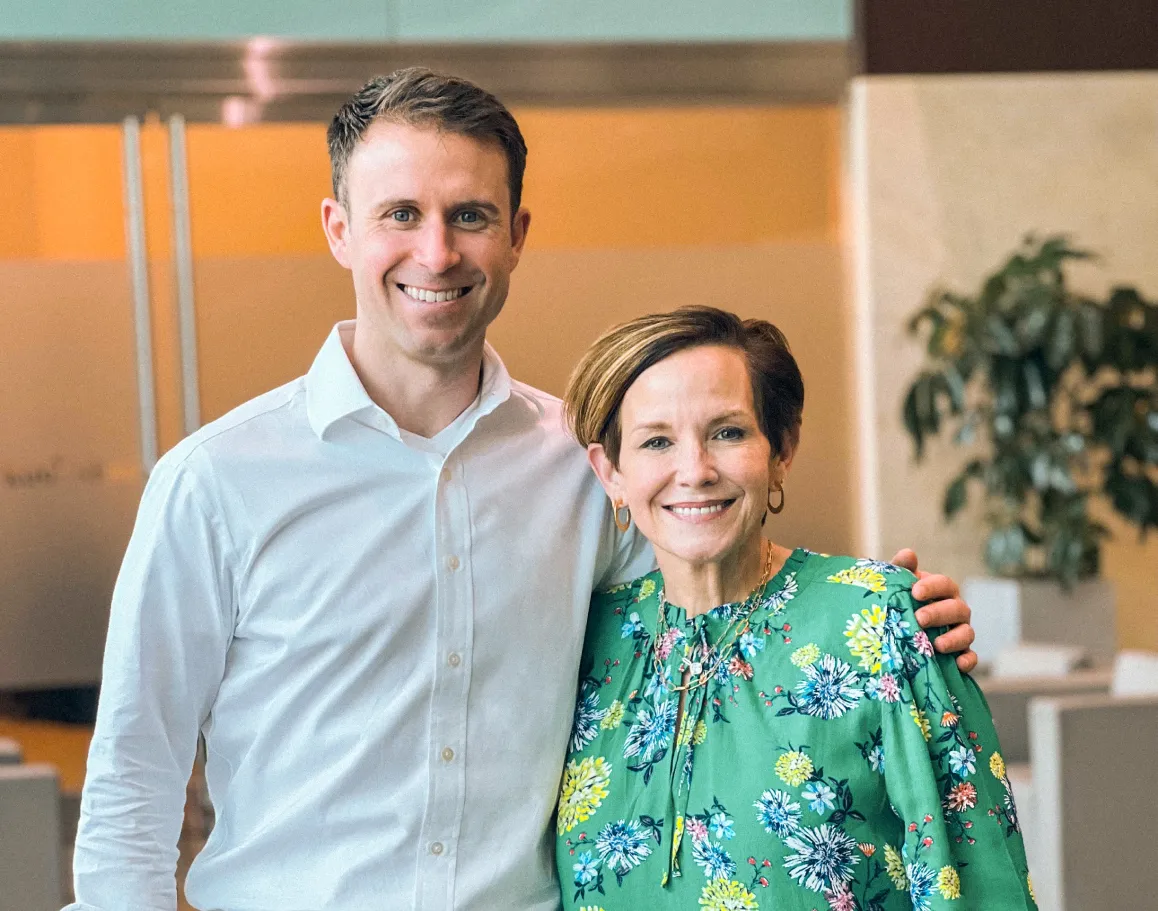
<point>698,510</point>
<point>432,297</point>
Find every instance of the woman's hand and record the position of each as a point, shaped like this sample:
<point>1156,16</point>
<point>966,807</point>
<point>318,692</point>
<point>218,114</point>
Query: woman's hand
<point>945,608</point>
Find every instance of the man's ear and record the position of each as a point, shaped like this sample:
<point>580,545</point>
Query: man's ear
<point>520,225</point>
<point>604,469</point>
<point>336,224</point>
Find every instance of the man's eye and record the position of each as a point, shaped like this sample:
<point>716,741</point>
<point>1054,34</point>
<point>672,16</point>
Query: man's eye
<point>470,217</point>
<point>402,216</point>
<point>656,443</point>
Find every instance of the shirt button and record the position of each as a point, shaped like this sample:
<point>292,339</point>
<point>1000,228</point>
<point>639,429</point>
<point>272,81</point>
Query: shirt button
<point>447,754</point>
<point>454,659</point>
<point>446,475</point>
<point>437,848</point>
<point>452,563</point>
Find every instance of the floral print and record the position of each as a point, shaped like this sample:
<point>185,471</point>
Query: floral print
<point>852,770</point>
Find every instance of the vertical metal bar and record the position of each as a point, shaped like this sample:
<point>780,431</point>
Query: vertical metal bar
<point>139,273</point>
<point>183,261</point>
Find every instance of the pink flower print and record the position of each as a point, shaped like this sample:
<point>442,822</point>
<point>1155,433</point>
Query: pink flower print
<point>663,649</point>
<point>697,829</point>
<point>889,690</point>
<point>924,646</point>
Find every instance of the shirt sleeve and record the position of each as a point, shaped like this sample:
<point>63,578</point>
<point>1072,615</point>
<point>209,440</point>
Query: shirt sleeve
<point>169,630</point>
<point>946,780</point>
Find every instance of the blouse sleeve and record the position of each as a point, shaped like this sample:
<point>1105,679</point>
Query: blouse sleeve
<point>946,780</point>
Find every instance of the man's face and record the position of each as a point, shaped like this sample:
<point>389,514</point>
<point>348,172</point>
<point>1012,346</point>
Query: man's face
<point>428,236</point>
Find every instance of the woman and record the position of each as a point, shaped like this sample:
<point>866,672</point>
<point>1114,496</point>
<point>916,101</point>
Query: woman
<point>758,727</point>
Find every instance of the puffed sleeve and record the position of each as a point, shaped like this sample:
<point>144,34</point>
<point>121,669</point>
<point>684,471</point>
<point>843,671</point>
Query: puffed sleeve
<point>945,778</point>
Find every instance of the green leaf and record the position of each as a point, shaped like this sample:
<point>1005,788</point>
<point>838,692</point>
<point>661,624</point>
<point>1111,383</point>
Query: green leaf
<point>955,496</point>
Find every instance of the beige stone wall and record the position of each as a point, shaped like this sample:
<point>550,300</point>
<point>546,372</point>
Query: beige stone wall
<point>945,175</point>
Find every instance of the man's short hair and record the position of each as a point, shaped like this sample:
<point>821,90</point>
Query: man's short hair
<point>420,97</point>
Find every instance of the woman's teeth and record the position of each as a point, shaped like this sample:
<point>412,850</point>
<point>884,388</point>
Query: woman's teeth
<point>432,297</point>
<point>698,510</point>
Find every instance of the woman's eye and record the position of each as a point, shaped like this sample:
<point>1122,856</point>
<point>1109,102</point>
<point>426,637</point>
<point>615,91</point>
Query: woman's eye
<point>730,433</point>
<point>656,443</point>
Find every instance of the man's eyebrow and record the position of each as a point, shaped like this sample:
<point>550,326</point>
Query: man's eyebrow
<point>387,204</point>
<point>489,207</point>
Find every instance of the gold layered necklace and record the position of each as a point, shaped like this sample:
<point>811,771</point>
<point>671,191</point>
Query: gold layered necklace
<point>739,624</point>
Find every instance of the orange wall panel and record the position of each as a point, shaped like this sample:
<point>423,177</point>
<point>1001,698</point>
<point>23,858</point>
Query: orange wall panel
<point>666,177</point>
<point>62,192</point>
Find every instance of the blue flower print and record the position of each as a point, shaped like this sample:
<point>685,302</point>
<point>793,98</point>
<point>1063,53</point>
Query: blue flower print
<point>829,688</point>
<point>713,860</point>
<point>963,761</point>
<point>820,797</point>
<point>824,857</point>
<point>652,730</point>
<point>779,813</point>
<point>586,869</point>
<point>721,826</point>
<point>623,846</point>
<point>750,644</point>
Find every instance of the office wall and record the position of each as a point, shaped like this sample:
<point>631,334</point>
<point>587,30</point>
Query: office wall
<point>946,175</point>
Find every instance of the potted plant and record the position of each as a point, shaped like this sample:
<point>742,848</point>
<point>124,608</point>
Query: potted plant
<point>1056,393</point>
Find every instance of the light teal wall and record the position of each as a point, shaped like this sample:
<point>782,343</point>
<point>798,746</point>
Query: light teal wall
<point>429,20</point>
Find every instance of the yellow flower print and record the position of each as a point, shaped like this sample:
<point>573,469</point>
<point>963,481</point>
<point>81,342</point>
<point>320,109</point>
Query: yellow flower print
<point>721,895</point>
<point>949,883</point>
<point>997,766</point>
<point>922,721</point>
<point>614,716</point>
<point>865,633</point>
<point>805,655</point>
<point>585,785</point>
<point>646,589</point>
<point>895,867</point>
<point>860,576</point>
<point>794,768</point>
<point>1029,882</point>
<point>700,734</point>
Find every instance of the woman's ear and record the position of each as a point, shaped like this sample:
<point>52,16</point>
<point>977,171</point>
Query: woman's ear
<point>604,469</point>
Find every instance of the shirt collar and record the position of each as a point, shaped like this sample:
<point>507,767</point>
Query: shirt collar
<point>334,392</point>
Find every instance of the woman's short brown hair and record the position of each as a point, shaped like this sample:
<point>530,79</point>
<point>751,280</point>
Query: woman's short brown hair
<point>617,358</point>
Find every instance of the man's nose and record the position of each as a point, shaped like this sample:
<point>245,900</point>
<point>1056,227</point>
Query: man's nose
<point>434,248</point>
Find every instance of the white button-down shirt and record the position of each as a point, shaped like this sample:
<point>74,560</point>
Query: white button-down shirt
<point>378,636</point>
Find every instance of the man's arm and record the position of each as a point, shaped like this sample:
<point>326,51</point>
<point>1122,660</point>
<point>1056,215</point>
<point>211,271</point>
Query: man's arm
<point>169,629</point>
<point>945,607</point>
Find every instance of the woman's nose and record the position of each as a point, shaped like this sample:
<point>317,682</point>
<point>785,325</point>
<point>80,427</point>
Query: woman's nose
<point>697,467</point>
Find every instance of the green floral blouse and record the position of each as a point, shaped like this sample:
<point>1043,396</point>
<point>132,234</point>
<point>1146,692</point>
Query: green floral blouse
<point>832,761</point>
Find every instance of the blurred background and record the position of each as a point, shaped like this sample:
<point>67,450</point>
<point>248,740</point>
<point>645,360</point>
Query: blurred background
<point>822,164</point>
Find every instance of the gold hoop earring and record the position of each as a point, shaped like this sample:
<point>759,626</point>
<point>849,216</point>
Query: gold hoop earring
<point>625,523</point>
<point>779,508</point>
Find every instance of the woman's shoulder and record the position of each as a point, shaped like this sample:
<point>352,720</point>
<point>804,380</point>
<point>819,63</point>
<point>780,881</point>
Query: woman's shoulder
<point>855,576</point>
<point>633,592</point>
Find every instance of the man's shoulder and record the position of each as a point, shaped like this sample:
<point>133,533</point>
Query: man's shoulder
<point>271,417</point>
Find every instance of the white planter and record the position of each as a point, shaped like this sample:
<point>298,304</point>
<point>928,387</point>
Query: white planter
<point>1010,612</point>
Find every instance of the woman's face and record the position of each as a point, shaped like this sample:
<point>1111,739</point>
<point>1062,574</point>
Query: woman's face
<point>694,467</point>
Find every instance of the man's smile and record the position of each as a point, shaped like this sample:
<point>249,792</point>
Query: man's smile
<point>433,295</point>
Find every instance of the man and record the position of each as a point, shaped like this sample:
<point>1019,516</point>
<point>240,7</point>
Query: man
<point>367,588</point>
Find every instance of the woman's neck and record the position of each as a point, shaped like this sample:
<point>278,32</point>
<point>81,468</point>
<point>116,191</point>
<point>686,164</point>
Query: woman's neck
<point>700,587</point>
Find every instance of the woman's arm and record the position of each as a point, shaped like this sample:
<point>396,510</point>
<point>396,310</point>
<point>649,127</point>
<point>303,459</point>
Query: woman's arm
<point>946,779</point>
